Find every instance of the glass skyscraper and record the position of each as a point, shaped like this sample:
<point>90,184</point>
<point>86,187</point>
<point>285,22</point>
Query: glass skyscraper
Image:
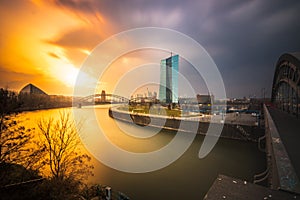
<point>168,90</point>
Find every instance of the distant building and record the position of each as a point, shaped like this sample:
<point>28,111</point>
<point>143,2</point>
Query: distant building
<point>154,95</point>
<point>139,95</point>
<point>32,89</point>
<point>286,83</point>
<point>205,99</point>
<point>168,90</point>
<point>103,96</point>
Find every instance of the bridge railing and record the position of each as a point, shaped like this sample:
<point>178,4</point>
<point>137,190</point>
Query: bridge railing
<point>282,174</point>
<point>99,99</point>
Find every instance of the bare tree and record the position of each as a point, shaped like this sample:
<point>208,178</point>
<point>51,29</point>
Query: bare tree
<point>60,139</point>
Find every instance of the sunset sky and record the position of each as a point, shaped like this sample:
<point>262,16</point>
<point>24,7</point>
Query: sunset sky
<point>45,42</point>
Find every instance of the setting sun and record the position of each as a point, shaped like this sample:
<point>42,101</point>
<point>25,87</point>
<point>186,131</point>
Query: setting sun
<point>48,46</point>
<point>68,74</point>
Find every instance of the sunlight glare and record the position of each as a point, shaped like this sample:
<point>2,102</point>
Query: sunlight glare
<point>69,74</point>
<point>85,51</point>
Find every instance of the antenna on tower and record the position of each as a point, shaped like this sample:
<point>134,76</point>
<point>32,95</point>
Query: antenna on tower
<point>147,92</point>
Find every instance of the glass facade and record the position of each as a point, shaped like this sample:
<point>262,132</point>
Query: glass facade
<point>168,90</point>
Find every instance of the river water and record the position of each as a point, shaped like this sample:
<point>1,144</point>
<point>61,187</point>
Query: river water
<point>187,178</point>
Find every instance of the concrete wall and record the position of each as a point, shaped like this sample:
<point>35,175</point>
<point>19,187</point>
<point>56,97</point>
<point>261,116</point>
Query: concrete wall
<point>230,131</point>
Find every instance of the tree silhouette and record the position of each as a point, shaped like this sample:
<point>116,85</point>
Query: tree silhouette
<point>15,140</point>
<point>61,141</point>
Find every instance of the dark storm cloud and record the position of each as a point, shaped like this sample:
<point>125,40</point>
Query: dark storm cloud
<point>245,38</point>
<point>77,38</point>
<point>77,5</point>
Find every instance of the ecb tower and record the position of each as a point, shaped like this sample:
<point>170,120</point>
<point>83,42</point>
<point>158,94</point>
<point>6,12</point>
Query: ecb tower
<point>168,90</point>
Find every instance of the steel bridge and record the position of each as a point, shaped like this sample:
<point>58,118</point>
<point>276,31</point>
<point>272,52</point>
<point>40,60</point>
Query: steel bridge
<point>96,99</point>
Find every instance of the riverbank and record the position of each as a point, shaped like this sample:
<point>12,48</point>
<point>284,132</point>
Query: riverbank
<point>230,130</point>
<point>234,158</point>
<point>25,109</point>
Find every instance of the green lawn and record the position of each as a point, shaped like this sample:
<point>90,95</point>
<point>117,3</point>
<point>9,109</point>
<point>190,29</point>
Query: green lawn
<point>159,110</point>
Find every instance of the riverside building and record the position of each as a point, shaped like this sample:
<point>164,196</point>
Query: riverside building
<point>168,90</point>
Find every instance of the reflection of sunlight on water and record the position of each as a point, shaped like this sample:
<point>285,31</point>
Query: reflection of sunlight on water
<point>108,125</point>
<point>125,141</point>
<point>30,121</point>
<point>188,173</point>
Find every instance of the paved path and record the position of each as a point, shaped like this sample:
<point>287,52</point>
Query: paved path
<point>226,187</point>
<point>288,127</point>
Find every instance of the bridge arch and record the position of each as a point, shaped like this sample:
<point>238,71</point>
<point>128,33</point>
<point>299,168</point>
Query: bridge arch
<point>102,99</point>
<point>286,83</point>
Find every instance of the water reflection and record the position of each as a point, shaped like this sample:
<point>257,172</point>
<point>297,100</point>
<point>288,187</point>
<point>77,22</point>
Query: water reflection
<point>187,178</point>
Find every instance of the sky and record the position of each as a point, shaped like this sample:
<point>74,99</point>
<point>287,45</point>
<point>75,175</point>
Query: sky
<point>46,42</point>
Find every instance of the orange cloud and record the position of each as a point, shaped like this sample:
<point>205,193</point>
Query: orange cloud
<point>26,57</point>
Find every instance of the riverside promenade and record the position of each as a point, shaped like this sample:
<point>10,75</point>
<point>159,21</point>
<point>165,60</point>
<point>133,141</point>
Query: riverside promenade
<point>286,151</point>
<point>235,125</point>
<point>226,187</point>
<point>288,127</point>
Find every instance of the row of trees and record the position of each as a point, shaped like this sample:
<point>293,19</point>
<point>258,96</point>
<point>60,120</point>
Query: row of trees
<point>41,101</point>
<point>47,158</point>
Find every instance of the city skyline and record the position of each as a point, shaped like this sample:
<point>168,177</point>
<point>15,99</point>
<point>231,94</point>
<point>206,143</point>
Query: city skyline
<point>45,43</point>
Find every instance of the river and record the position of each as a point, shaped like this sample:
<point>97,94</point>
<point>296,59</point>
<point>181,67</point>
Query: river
<point>187,178</point>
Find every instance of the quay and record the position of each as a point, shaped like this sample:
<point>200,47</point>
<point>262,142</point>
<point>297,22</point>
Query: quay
<point>235,126</point>
<point>283,166</point>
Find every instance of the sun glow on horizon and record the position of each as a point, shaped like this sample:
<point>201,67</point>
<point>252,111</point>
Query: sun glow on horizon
<point>69,73</point>
<point>48,46</point>
<point>60,67</point>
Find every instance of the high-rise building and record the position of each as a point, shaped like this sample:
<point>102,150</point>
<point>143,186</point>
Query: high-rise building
<point>168,90</point>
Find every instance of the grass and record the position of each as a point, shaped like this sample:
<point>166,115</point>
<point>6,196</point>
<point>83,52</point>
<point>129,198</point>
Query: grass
<point>155,110</point>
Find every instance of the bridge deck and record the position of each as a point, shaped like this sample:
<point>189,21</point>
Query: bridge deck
<point>284,137</point>
<point>226,187</point>
<point>288,127</point>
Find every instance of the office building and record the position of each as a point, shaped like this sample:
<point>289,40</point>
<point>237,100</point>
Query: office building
<point>168,90</point>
